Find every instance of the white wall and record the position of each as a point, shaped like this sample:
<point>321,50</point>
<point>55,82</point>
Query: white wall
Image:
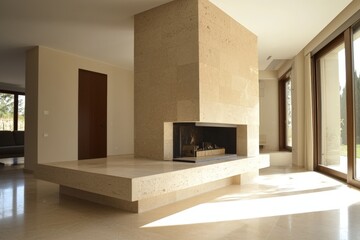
<point>58,109</point>
<point>269,114</point>
<point>335,27</point>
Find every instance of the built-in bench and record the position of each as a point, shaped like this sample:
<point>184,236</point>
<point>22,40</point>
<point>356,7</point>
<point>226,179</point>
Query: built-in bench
<point>11,144</point>
<point>139,185</point>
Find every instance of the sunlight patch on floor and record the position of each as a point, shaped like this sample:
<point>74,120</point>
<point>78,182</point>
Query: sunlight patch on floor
<point>282,195</point>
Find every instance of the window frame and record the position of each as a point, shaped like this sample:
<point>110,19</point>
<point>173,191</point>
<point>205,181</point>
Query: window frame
<point>346,38</point>
<point>16,106</point>
<point>282,112</point>
<point>317,108</point>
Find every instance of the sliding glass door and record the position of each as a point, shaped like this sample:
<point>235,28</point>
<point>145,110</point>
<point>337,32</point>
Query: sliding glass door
<point>331,76</point>
<point>337,106</point>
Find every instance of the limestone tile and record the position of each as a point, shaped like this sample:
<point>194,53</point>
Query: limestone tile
<point>209,112</point>
<point>187,110</point>
<point>253,139</point>
<point>168,130</point>
<point>100,199</point>
<point>241,141</point>
<point>168,149</point>
<point>208,55</point>
<point>142,79</point>
<point>253,147</point>
<point>238,82</point>
<point>147,41</point>
<point>253,115</point>
<point>229,96</point>
<point>168,198</point>
<point>253,87</point>
<point>211,37</point>
<point>187,53</point>
<point>149,148</point>
<point>170,56</point>
<point>139,63</point>
<point>238,114</point>
<point>149,61</point>
<point>117,187</point>
<point>147,20</point>
<point>206,8</point>
<point>253,101</point>
<point>210,93</point>
<point>213,23</point>
<point>155,185</point>
<point>169,112</point>
<point>187,84</point>
<point>179,10</point>
<point>164,78</point>
<point>188,37</point>
<point>210,75</point>
<point>204,70</point>
<point>180,27</point>
<point>150,129</point>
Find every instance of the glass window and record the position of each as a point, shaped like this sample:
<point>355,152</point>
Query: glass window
<point>337,106</point>
<point>288,114</point>
<point>331,71</point>
<point>12,111</point>
<point>6,111</point>
<point>21,112</point>
<point>285,112</point>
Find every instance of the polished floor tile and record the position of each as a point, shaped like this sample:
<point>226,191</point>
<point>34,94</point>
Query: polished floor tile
<point>283,204</point>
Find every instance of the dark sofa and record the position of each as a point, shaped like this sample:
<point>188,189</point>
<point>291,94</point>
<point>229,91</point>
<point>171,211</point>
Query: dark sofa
<point>11,144</point>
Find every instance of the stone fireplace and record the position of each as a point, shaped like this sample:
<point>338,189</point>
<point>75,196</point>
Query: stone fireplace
<point>194,65</point>
<point>196,142</point>
<point>196,95</point>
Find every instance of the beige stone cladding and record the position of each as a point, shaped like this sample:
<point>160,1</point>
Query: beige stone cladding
<point>166,73</point>
<point>228,69</point>
<point>193,63</point>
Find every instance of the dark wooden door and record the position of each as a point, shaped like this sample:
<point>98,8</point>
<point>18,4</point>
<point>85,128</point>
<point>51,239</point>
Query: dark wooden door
<point>92,115</point>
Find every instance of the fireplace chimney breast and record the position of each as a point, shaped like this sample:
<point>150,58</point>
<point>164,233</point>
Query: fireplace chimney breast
<point>193,63</point>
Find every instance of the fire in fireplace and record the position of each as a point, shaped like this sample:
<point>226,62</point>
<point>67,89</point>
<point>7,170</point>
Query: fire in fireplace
<point>194,142</point>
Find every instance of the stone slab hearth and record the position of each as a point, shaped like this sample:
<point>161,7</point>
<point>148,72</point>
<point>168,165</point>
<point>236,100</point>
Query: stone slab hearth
<point>139,185</point>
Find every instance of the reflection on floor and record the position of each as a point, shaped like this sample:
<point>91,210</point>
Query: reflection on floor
<point>284,203</point>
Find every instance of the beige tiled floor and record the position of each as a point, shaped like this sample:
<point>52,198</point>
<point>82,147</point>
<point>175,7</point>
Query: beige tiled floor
<point>282,204</point>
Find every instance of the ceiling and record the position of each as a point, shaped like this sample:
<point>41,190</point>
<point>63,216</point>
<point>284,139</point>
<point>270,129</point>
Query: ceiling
<point>103,29</point>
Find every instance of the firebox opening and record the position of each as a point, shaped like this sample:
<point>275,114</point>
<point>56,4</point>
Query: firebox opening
<point>193,143</point>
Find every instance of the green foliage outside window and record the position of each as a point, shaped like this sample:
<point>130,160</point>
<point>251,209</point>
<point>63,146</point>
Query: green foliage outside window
<point>6,111</point>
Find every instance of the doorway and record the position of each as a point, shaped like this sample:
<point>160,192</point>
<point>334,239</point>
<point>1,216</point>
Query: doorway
<point>92,115</point>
